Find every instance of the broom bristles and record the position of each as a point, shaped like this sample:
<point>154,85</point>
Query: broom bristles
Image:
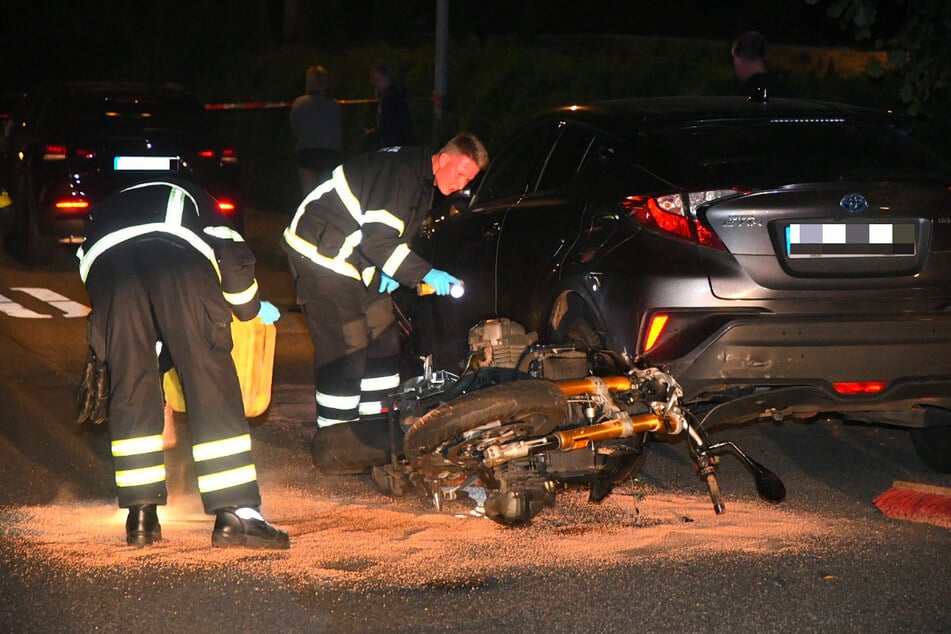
<point>917,503</point>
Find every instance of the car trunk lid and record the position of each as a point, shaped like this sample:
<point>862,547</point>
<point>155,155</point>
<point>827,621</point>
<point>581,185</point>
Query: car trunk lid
<point>834,237</point>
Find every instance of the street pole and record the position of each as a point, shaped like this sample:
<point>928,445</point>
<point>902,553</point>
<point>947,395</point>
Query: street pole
<point>442,55</point>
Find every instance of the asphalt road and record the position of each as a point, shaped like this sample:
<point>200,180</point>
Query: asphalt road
<point>654,557</point>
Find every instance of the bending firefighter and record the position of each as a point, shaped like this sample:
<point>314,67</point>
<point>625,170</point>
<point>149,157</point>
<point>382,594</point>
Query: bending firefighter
<point>164,271</point>
<point>348,246</point>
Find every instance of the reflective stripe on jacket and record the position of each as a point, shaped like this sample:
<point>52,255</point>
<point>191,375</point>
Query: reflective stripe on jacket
<point>181,211</point>
<point>362,218</point>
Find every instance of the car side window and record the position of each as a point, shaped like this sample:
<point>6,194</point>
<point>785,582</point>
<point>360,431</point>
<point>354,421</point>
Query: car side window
<point>566,158</point>
<point>516,169</point>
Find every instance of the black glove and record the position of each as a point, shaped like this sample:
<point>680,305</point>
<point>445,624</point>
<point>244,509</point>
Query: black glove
<point>93,393</point>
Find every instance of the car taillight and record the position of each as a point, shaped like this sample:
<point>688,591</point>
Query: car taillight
<point>72,205</point>
<point>669,214</point>
<point>226,206</point>
<point>228,155</point>
<point>54,152</point>
<point>859,387</point>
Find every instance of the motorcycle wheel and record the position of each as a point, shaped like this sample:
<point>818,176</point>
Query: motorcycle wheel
<point>506,412</point>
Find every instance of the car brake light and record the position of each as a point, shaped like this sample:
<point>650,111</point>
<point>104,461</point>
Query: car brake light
<point>657,324</point>
<point>669,214</point>
<point>229,155</point>
<point>226,206</point>
<point>206,154</point>
<point>54,153</point>
<point>72,204</point>
<point>859,387</point>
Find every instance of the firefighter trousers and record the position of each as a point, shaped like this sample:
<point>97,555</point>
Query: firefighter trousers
<point>356,344</point>
<point>150,290</point>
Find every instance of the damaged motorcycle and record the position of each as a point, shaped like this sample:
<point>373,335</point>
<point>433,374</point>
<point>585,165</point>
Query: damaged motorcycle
<point>525,420</point>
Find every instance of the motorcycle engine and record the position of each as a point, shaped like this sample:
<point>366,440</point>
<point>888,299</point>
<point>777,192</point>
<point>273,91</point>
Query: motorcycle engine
<point>503,343</point>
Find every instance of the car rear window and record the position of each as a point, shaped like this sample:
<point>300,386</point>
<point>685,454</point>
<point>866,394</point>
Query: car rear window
<point>779,152</point>
<point>131,112</point>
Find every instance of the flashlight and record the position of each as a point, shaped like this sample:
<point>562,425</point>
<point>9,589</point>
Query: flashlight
<point>456,290</point>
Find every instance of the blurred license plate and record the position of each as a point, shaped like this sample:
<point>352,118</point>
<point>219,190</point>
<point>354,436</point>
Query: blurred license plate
<point>145,163</point>
<point>850,240</point>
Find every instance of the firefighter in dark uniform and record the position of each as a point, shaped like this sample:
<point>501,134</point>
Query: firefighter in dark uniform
<point>348,246</point>
<point>164,271</point>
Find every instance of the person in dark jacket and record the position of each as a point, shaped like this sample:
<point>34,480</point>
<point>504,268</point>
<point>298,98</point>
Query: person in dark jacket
<point>164,271</point>
<point>749,65</point>
<point>348,246</point>
<point>394,119</point>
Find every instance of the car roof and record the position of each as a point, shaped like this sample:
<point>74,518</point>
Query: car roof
<point>625,117</point>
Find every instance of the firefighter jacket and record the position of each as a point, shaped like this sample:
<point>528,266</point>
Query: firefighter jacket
<point>362,218</point>
<point>178,210</point>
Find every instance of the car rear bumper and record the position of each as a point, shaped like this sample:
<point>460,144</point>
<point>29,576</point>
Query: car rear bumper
<point>793,362</point>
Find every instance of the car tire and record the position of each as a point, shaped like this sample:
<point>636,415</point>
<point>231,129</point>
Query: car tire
<point>933,443</point>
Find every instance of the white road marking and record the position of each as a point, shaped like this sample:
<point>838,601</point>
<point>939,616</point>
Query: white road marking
<point>69,307</point>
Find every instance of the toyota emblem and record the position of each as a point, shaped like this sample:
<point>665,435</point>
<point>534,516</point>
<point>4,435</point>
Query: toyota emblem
<point>853,203</point>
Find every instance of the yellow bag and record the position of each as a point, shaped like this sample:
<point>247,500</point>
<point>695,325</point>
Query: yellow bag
<point>253,355</point>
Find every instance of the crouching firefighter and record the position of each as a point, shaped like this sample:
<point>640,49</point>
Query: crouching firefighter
<point>348,248</point>
<point>164,271</point>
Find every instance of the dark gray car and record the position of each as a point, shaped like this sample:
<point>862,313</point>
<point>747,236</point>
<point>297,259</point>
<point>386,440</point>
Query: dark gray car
<point>782,259</point>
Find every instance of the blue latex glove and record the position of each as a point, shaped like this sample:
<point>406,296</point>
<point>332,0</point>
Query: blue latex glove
<point>441,281</point>
<point>388,284</point>
<point>269,313</point>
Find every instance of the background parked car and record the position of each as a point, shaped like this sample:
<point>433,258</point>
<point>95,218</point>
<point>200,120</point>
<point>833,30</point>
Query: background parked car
<point>67,145</point>
<point>781,259</point>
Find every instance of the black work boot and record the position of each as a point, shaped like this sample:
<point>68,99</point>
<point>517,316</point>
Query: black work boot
<point>142,526</point>
<point>352,448</point>
<point>245,527</point>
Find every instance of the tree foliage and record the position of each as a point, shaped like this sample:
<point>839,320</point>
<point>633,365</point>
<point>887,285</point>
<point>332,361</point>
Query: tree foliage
<point>916,35</point>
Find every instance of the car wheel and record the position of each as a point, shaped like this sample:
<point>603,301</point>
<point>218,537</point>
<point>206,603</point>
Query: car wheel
<point>933,444</point>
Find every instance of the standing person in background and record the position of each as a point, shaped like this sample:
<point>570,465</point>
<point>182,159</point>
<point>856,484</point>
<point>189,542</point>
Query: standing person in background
<point>348,246</point>
<point>394,121</point>
<point>749,65</point>
<point>164,272</point>
<point>318,128</point>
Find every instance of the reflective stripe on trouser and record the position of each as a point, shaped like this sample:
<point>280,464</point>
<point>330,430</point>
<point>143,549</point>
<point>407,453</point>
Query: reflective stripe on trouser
<point>139,466</point>
<point>224,466</point>
<point>380,380</point>
<point>350,325</point>
<point>137,290</point>
<point>333,409</point>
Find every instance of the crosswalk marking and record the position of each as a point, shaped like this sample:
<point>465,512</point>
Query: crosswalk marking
<point>68,307</point>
